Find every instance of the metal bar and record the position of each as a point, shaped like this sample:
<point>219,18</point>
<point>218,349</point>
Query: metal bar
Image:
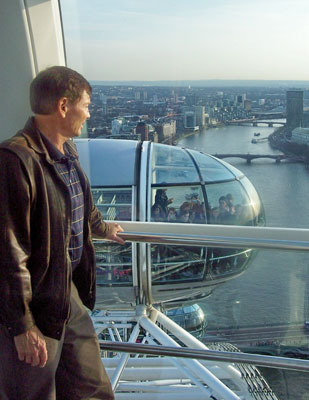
<point>124,359</point>
<point>216,235</point>
<point>185,371</point>
<point>197,368</point>
<point>213,355</point>
<point>189,340</point>
<point>166,396</point>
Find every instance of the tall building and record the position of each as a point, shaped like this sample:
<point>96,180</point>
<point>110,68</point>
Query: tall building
<point>155,100</point>
<point>300,136</point>
<point>166,130</point>
<point>294,109</point>
<point>117,126</point>
<point>142,129</point>
<point>189,119</point>
<point>247,105</point>
<point>200,115</point>
<point>191,99</point>
<point>103,98</point>
<point>241,98</point>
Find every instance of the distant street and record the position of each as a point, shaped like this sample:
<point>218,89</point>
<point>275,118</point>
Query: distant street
<point>288,335</point>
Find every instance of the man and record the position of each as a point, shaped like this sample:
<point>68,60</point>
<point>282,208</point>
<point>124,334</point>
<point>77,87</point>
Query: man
<point>49,349</point>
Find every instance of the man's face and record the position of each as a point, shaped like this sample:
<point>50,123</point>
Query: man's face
<point>76,115</point>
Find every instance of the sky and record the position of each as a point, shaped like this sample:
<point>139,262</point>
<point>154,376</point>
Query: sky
<point>187,39</point>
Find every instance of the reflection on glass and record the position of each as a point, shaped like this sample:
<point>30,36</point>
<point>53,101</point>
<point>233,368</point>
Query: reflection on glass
<point>229,204</point>
<point>224,262</point>
<point>176,264</point>
<point>114,263</point>
<point>191,318</point>
<point>114,204</point>
<point>212,170</point>
<point>178,204</point>
<point>255,202</point>
<point>172,165</point>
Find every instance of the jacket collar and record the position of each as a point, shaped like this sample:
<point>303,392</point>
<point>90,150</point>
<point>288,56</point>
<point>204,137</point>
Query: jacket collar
<point>34,139</point>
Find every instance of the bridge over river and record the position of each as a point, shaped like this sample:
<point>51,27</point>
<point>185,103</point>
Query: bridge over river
<point>255,122</point>
<point>249,157</point>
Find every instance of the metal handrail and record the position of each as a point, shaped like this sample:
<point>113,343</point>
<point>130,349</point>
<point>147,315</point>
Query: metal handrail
<point>216,235</point>
<point>209,355</point>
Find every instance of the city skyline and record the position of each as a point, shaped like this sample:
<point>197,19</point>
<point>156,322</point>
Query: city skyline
<point>196,40</point>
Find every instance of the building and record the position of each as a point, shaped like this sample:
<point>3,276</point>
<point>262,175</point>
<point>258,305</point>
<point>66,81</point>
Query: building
<point>247,105</point>
<point>189,119</point>
<point>200,115</point>
<point>142,129</point>
<point>294,109</point>
<point>166,130</point>
<point>240,99</point>
<point>155,100</point>
<point>117,126</point>
<point>103,99</point>
<point>300,136</point>
<point>306,119</point>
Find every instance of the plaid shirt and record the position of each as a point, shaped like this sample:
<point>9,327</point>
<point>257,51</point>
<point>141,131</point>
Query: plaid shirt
<point>65,167</point>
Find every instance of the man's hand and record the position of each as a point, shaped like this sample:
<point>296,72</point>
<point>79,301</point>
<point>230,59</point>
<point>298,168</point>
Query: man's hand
<point>31,347</point>
<point>114,228</point>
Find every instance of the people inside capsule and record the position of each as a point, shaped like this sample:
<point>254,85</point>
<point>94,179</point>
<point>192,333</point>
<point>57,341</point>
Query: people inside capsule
<point>230,203</point>
<point>184,216</point>
<point>162,201</point>
<point>214,215</point>
<point>157,215</point>
<point>172,215</point>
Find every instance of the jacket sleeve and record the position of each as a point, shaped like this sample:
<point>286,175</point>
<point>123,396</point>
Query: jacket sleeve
<point>99,228</point>
<point>15,244</point>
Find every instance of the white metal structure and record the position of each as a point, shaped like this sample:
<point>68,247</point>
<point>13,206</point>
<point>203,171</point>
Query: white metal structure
<point>153,377</point>
<point>172,378</point>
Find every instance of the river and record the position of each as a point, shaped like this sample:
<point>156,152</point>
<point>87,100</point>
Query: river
<point>274,290</point>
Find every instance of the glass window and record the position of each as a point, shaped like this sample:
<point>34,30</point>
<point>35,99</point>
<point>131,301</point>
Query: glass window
<point>234,170</point>
<point>174,264</point>
<point>229,204</point>
<point>116,168</point>
<point>178,204</point>
<point>171,164</point>
<point>255,201</point>
<point>211,169</point>
<point>114,263</point>
<point>114,204</point>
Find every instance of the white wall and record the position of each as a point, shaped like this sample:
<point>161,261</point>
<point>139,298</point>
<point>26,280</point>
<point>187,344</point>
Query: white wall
<point>31,40</point>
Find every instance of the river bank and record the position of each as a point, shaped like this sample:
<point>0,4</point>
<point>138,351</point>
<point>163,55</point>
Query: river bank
<point>187,134</point>
<point>278,140</point>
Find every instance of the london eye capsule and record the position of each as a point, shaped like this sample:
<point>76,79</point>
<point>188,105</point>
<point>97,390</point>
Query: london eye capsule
<point>145,181</point>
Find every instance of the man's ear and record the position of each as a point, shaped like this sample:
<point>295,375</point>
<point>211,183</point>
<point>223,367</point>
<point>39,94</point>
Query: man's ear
<point>62,106</point>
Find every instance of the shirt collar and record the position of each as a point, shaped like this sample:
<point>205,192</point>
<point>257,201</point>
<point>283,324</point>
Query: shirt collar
<point>54,153</point>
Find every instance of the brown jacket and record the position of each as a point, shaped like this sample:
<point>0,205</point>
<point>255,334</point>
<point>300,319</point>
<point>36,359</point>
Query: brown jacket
<point>35,228</point>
